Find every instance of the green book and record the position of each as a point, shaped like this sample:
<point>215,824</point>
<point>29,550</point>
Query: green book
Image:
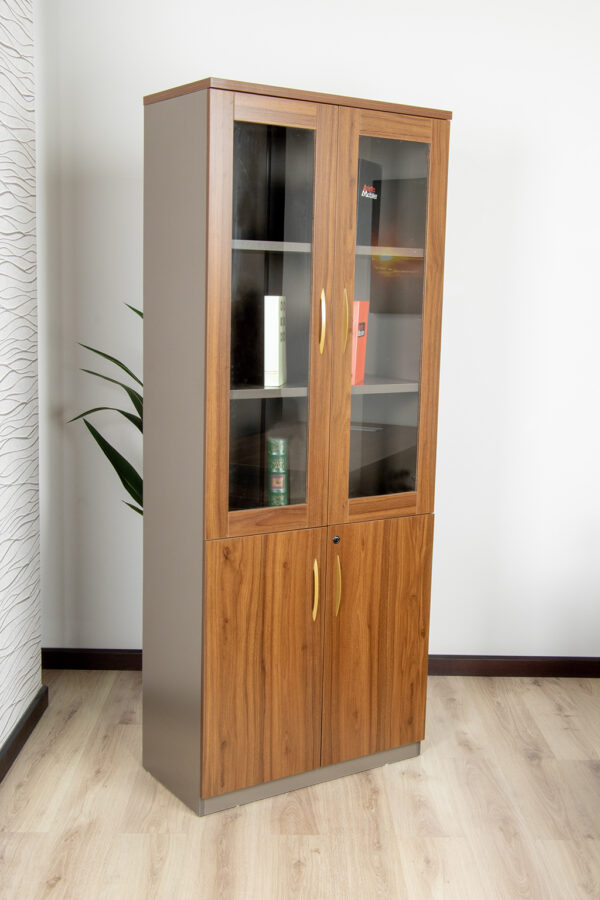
<point>277,461</point>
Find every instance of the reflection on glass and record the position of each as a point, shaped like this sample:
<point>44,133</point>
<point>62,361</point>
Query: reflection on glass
<point>270,310</point>
<point>383,446</point>
<point>255,275</point>
<point>387,315</point>
<point>253,423</point>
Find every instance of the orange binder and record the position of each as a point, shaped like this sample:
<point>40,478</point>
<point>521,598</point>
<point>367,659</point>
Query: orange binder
<point>360,320</point>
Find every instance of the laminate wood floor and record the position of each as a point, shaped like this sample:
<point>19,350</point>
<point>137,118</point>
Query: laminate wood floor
<point>504,802</point>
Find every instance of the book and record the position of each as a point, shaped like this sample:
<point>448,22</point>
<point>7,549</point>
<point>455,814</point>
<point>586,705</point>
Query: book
<point>396,283</point>
<point>275,369</point>
<point>277,458</point>
<point>368,203</point>
<point>360,321</point>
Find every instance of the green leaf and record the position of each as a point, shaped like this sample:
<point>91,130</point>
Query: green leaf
<point>135,397</point>
<point>130,479</point>
<point>135,420</point>
<point>112,359</point>
<point>135,508</point>
<point>136,311</point>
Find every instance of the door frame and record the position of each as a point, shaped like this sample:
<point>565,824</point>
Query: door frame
<point>225,107</point>
<point>353,123</point>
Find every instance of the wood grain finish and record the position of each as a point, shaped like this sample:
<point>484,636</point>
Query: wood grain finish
<point>432,316</point>
<point>352,124</point>
<point>220,522</point>
<point>324,230</point>
<point>274,111</point>
<point>336,164</point>
<point>289,93</point>
<point>386,125</point>
<point>376,648</point>
<point>480,815</point>
<point>271,518</point>
<point>263,659</point>
<point>12,747</point>
<point>339,422</point>
<point>273,693</point>
<point>361,509</point>
<point>218,311</point>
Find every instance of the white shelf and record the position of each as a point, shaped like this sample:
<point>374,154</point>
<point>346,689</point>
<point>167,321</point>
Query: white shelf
<point>375,385</point>
<point>256,392</point>
<point>410,252</point>
<point>272,246</point>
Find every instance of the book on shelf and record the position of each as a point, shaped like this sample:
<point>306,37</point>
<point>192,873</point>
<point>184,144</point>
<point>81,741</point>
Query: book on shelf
<point>277,461</point>
<point>396,282</point>
<point>275,368</point>
<point>360,321</point>
<point>368,203</point>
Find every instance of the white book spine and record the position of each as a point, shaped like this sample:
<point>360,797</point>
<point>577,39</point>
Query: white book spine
<point>275,361</point>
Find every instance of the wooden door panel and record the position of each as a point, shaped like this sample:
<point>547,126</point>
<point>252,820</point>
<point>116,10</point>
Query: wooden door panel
<point>376,647</point>
<point>262,659</point>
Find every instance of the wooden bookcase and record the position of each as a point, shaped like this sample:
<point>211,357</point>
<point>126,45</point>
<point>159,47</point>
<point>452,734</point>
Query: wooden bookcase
<point>286,645</point>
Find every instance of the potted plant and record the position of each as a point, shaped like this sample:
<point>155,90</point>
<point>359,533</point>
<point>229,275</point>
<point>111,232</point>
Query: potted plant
<point>130,478</point>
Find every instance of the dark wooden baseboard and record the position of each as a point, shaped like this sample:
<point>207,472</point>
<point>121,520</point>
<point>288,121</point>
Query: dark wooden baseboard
<point>439,664</point>
<point>76,658</point>
<point>32,715</point>
<point>527,666</point>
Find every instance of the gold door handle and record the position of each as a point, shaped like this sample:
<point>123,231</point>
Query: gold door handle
<point>316,590</point>
<point>338,592</point>
<point>323,322</point>
<point>345,319</point>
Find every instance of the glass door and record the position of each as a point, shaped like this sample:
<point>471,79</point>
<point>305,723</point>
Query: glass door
<point>385,314</point>
<point>273,190</point>
<point>274,309</point>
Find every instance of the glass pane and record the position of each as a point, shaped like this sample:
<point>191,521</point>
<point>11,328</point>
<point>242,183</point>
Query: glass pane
<point>387,315</point>
<point>270,314</point>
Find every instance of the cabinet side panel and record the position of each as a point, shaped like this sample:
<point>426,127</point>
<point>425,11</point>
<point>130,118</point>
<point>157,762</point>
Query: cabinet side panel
<point>175,178</point>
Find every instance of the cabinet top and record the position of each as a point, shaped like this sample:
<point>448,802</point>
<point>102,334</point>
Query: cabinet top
<point>288,93</point>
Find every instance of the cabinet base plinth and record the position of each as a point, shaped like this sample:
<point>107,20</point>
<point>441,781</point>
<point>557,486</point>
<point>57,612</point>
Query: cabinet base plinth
<point>306,779</point>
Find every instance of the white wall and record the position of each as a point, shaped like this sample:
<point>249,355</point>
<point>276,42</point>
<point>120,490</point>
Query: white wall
<point>516,564</point>
<point>20,631</point>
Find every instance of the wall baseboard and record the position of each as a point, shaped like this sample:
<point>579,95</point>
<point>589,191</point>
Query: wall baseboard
<point>439,663</point>
<point>14,743</point>
<point>526,666</point>
<point>76,658</point>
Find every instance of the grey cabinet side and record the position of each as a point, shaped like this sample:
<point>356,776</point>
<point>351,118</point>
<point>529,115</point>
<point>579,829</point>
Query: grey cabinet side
<point>175,196</point>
